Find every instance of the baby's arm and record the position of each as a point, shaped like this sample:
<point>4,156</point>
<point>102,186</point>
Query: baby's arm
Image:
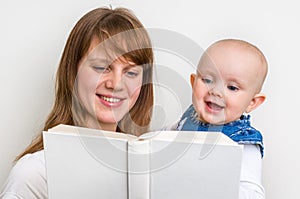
<point>250,181</point>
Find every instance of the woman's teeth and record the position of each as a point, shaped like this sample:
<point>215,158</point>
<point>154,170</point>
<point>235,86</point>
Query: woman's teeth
<point>112,100</point>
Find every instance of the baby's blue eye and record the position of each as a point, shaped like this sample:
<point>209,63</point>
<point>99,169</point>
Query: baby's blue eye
<point>207,80</point>
<point>233,88</point>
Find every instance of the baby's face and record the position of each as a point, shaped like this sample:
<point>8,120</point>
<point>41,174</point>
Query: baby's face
<point>226,83</point>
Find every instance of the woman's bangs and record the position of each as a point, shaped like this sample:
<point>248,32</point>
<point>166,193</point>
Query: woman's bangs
<point>129,44</point>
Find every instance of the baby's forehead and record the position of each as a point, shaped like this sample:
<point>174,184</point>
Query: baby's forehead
<point>221,58</point>
<point>231,45</point>
<point>223,49</point>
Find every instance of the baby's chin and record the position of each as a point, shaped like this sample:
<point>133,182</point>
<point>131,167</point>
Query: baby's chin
<point>213,121</point>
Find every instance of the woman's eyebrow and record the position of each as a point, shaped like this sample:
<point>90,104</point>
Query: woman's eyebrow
<point>92,59</point>
<point>97,60</point>
<point>130,66</point>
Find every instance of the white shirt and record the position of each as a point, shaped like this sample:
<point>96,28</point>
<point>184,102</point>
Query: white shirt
<point>27,179</point>
<point>251,179</point>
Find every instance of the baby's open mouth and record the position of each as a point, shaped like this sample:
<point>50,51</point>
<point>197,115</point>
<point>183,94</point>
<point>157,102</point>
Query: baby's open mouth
<point>214,106</point>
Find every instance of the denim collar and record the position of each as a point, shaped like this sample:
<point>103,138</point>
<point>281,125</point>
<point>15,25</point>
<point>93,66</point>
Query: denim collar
<point>239,131</point>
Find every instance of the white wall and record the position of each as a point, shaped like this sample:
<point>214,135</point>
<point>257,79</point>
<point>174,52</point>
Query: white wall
<point>34,32</point>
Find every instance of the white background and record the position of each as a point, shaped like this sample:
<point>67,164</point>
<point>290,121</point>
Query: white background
<point>33,34</point>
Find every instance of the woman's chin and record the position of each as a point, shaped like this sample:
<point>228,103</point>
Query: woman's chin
<point>109,120</point>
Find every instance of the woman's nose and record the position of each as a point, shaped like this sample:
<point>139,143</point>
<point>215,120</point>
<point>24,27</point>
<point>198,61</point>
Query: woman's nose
<point>114,81</point>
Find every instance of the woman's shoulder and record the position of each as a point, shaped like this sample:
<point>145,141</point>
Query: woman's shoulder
<point>29,166</point>
<point>27,178</point>
<point>34,160</point>
<point>36,157</point>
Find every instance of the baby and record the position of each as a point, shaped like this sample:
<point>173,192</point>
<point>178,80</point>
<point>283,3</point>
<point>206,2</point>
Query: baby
<point>226,87</point>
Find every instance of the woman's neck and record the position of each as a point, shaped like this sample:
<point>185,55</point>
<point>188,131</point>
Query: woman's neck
<point>95,124</point>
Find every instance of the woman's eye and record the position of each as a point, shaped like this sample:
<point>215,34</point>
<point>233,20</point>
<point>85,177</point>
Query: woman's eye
<point>101,69</point>
<point>233,88</point>
<point>207,80</point>
<point>132,73</point>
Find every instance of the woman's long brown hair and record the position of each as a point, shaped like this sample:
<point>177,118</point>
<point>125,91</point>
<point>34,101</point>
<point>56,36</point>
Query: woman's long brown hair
<point>102,23</point>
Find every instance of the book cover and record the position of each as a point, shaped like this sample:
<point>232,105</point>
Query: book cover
<point>89,163</point>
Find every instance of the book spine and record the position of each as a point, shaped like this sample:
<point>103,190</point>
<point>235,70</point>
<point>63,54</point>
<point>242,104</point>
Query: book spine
<point>138,170</point>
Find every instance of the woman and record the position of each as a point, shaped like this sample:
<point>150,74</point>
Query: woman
<point>104,81</point>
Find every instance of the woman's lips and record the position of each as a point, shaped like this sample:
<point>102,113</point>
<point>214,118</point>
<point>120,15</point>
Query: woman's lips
<point>110,101</point>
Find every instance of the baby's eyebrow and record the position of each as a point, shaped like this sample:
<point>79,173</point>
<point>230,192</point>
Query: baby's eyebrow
<point>205,72</point>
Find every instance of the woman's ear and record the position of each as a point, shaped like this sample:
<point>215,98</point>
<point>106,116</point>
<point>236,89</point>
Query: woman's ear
<point>192,79</point>
<point>257,100</point>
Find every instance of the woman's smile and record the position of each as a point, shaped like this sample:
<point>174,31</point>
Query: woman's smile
<point>110,101</point>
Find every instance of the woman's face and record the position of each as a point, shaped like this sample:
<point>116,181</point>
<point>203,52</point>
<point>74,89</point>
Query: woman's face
<point>107,89</point>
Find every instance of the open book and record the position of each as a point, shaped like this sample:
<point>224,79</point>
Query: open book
<point>89,163</point>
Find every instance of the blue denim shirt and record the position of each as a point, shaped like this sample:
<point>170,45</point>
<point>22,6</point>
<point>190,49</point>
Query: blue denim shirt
<point>239,131</point>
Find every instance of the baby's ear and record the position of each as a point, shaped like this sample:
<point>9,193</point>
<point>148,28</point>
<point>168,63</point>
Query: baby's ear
<point>257,100</point>
<point>192,79</point>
